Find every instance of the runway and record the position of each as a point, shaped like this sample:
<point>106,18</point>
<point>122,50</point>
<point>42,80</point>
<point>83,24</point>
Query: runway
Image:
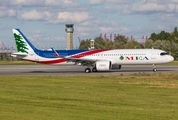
<point>66,70</point>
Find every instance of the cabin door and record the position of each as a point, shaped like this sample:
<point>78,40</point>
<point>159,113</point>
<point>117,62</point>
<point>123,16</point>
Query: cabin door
<point>153,54</point>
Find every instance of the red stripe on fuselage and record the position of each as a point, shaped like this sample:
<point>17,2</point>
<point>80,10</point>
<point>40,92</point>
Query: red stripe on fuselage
<point>60,60</point>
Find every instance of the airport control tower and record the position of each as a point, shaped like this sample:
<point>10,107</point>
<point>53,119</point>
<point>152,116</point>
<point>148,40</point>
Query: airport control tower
<point>69,29</point>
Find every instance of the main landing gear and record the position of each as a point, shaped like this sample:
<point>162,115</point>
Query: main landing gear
<point>88,70</point>
<point>154,68</point>
<point>94,70</point>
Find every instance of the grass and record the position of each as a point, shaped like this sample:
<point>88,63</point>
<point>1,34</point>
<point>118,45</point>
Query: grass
<point>173,63</point>
<point>8,62</point>
<point>125,97</point>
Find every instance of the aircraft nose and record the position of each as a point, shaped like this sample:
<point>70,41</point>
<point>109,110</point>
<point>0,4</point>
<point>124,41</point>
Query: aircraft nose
<point>171,58</point>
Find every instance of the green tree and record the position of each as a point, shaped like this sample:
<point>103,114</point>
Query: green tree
<point>153,37</point>
<point>175,35</point>
<point>119,42</point>
<point>173,49</point>
<point>166,45</point>
<point>108,44</point>
<point>164,35</point>
<point>132,44</point>
<point>163,45</point>
<point>160,36</point>
<point>158,44</point>
<point>175,30</point>
<point>149,43</point>
<point>99,43</point>
<point>84,44</point>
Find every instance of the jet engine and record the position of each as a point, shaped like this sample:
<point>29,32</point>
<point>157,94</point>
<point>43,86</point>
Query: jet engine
<point>103,65</point>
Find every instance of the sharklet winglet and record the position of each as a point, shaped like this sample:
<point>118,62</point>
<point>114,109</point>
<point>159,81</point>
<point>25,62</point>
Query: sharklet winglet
<point>55,53</point>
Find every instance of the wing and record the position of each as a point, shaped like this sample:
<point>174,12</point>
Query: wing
<point>81,61</point>
<point>78,60</point>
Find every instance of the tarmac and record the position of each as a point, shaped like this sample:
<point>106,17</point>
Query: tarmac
<point>72,70</point>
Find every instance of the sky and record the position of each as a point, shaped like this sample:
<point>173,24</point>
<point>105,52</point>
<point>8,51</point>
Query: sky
<point>43,21</point>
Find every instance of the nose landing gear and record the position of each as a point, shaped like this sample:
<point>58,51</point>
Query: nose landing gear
<point>154,68</point>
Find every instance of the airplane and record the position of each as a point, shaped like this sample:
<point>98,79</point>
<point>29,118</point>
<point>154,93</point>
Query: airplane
<point>94,60</point>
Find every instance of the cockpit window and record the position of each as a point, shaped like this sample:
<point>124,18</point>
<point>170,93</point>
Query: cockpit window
<point>163,53</point>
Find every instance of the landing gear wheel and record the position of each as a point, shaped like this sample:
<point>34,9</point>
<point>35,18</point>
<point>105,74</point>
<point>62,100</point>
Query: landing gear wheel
<point>87,70</point>
<point>154,69</point>
<point>94,70</point>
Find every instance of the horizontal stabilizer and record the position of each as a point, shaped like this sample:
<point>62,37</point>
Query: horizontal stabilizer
<point>19,54</point>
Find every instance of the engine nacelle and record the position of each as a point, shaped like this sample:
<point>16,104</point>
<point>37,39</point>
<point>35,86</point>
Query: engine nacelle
<point>103,65</point>
<point>116,66</point>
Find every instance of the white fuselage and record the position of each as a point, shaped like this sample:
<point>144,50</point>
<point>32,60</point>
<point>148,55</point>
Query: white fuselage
<point>118,56</point>
<point>132,56</point>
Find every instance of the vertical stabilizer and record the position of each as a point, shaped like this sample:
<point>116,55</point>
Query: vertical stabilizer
<point>22,43</point>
